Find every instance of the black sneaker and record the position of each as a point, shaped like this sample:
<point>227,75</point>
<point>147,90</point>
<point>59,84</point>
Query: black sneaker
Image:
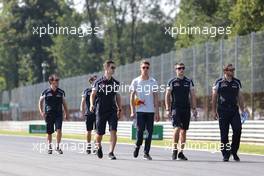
<point>50,151</point>
<point>174,154</point>
<point>226,157</point>
<point>147,156</point>
<point>59,151</point>
<point>94,151</point>
<point>135,154</point>
<point>182,157</point>
<point>99,152</point>
<point>111,156</point>
<point>88,150</point>
<point>236,158</point>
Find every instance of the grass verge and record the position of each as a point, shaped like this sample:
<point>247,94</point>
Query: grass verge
<point>212,146</point>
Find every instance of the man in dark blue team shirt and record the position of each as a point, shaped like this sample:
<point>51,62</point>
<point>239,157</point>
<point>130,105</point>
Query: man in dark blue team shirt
<point>225,100</point>
<point>89,116</point>
<point>180,90</point>
<point>107,107</point>
<point>54,99</point>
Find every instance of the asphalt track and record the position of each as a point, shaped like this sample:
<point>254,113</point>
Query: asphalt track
<point>20,156</point>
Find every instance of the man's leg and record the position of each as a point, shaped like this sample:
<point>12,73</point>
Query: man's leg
<point>58,127</point>
<point>113,139</point>
<point>185,116</point>
<point>98,140</point>
<point>140,131</point>
<point>90,120</point>
<point>112,122</point>
<point>49,139</point>
<point>149,126</point>
<point>100,131</point>
<point>88,140</point>
<point>88,137</point>
<point>224,130</point>
<point>176,123</point>
<point>175,138</point>
<point>59,135</point>
<point>50,130</point>
<point>182,139</point>
<point>237,128</point>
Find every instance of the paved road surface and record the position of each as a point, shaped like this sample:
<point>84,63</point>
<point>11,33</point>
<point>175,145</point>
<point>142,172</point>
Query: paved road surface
<point>19,156</point>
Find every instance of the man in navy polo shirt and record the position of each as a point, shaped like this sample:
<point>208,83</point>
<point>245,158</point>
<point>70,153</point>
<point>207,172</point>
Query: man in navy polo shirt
<point>89,116</point>
<point>179,100</point>
<point>54,100</point>
<point>107,107</point>
<point>226,100</point>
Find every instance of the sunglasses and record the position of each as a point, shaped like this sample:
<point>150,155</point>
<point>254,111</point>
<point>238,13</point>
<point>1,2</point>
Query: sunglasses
<point>113,68</point>
<point>145,68</point>
<point>180,68</point>
<point>230,69</point>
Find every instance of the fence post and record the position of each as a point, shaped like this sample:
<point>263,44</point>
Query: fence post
<point>171,63</point>
<point>252,73</point>
<point>221,57</point>
<point>194,64</point>
<point>161,69</point>
<point>236,54</point>
<point>206,82</point>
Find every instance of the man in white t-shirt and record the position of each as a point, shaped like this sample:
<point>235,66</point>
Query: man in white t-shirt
<point>144,106</point>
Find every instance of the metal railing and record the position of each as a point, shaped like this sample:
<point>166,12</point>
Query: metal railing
<point>252,132</point>
<point>203,64</point>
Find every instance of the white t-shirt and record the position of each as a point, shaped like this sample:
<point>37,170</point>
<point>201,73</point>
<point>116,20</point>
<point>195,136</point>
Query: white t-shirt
<point>144,92</point>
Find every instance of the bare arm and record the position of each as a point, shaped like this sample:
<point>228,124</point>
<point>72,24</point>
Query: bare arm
<point>40,106</point>
<point>193,103</point>
<point>156,105</point>
<point>65,107</point>
<point>241,101</point>
<point>119,106</point>
<point>193,99</point>
<point>132,103</point>
<point>92,98</point>
<point>82,107</point>
<point>118,101</point>
<point>214,100</point>
<point>168,100</point>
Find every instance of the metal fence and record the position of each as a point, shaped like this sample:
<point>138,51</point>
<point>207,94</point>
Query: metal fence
<point>205,130</point>
<point>203,64</point>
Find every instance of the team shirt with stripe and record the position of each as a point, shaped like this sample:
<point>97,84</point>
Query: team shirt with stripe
<point>106,91</point>
<point>180,91</point>
<point>227,92</point>
<point>53,100</point>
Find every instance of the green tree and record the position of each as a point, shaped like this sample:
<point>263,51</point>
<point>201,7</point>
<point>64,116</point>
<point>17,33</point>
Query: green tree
<point>247,16</point>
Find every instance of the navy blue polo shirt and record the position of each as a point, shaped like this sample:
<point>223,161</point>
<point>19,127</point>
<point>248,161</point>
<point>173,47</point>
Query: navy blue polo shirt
<point>106,91</point>
<point>180,91</point>
<point>227,92</point>
<point>53,100</point>
<point>86,94</point>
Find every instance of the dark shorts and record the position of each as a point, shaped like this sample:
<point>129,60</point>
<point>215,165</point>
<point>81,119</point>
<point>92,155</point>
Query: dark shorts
<point>90,122</point>
<point>181,118</point>
<point>102,118</point>
<point>52,119</point>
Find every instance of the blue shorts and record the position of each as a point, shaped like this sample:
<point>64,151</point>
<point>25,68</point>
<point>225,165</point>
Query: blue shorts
<point>53,119</point>
<point>102,118</point>
<point>90,122</point>
<point>181,118</point>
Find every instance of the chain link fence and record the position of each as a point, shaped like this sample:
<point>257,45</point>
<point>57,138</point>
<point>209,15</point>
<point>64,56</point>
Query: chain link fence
<point>203,64</point>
